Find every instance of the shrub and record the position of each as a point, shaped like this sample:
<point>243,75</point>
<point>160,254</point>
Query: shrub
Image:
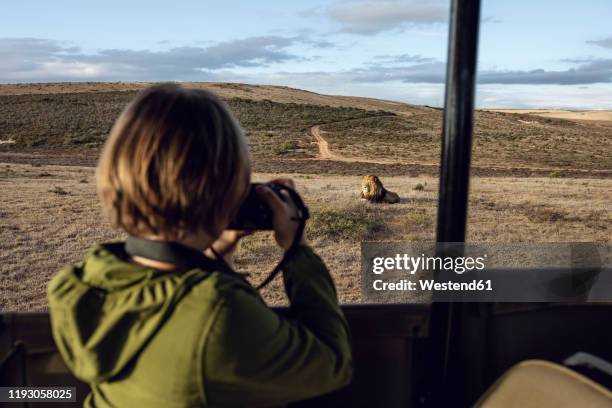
<point>353,224</point>
<point>286,147</point>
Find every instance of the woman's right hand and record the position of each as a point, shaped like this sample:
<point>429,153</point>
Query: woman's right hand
<point>284,213</point>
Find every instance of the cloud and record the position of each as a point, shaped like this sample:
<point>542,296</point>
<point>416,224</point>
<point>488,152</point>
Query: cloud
<point>547,97</point>
<point>41,59</point>
<point>431,71</point>
<point>606,42</point>
<point>26,53</point>
<point>402,58</point>
<point>591,72</point>
<point>409,77</point>
<point>318,43</point>
<point>32,59</point>
<point>374,16</point>
<point>491,20</point>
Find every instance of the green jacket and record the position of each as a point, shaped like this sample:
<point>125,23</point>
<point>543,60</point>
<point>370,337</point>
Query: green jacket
<point>147,338</point>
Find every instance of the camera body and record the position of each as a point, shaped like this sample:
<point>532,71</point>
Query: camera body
<point>254,214</point>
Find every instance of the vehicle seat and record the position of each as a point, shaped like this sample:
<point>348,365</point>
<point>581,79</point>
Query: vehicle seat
<point>542,384</point>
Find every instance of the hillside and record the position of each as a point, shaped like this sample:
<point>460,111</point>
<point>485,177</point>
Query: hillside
<point>364,134</point>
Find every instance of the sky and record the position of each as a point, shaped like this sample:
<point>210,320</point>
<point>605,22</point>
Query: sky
<point>532,53</point>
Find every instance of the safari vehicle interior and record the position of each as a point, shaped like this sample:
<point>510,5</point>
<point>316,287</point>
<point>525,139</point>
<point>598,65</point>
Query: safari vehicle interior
<point>418,355</point>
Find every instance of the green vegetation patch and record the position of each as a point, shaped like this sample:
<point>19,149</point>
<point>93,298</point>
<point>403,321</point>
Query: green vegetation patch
<point>387,128</point>
<point>353,223</point>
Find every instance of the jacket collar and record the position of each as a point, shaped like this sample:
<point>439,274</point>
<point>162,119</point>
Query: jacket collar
<point>174,253</point>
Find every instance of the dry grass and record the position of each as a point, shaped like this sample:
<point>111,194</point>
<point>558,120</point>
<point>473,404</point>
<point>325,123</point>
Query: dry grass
<point>49,217</point>
<point>590,115</point>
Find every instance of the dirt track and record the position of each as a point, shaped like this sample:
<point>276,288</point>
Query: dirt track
<point>324,152</point>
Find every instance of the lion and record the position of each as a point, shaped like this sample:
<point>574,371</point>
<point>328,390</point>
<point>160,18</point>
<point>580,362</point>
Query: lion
<point>373,190</point>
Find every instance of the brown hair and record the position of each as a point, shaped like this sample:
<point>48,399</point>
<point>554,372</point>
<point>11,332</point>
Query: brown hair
<point>176,161</point>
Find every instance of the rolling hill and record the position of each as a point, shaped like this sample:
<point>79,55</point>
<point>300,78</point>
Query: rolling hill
<point>365,135</point>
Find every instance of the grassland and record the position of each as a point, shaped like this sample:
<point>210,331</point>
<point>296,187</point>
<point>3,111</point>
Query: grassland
<point>50,216</point>
<point>535,178</point>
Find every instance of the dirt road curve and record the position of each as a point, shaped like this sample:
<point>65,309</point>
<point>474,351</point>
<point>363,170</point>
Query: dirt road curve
<point>324,152</point>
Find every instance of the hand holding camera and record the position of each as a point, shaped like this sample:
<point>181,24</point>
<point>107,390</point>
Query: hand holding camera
<point>273,206</point>
<point>285,212</point>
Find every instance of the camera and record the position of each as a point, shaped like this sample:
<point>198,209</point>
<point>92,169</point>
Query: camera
<point>254,214</point>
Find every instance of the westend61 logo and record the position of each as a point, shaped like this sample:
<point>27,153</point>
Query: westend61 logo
<point>422,272</point>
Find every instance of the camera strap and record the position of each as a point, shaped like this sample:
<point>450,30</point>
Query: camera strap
<point>186,257</point>
<point>302,217</point>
